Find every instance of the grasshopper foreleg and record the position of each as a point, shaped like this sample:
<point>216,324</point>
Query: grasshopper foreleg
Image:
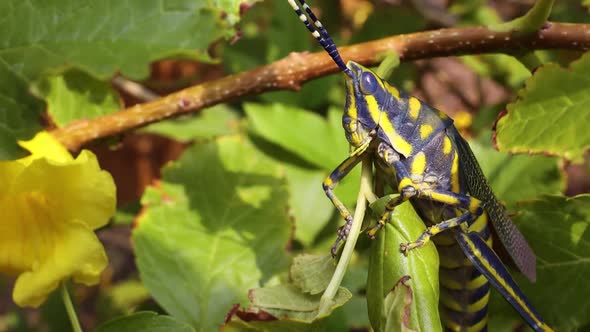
<point>329,185</point>
<point>391,157</point>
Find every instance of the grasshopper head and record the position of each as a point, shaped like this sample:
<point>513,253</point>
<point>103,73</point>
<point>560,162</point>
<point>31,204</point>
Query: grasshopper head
<point>366,92</point>
<point>366,97</point>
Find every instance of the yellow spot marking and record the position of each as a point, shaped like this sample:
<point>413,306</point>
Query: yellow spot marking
<point>479,326</point>
<point>345,164</point>
<point>355,139</point>
<point>425,131</point>
<point>490,241</point>
<point>373,107</point>
<point>352,112</point>
<point>450,303</point>
<point>450,283</point>
<point>480,303</point>
<point>353,125</point>
<point>405,182</point>
<point>447,146</point>
<point>442,115</point>
<point>479,224</point>
<point>453,326</point>
<point>328,182</point>
<point>444,198</point>
<point>519,301</point>
<point>477,282</point>
<point>462,120</point>
<point>394,92</point>
<point>414,107</point>
<point>419,163</point>
<point>474,203</point>
<point>399,143</point>
<point>449,323</point>
<point>454,171</point>
<point>453,263</point>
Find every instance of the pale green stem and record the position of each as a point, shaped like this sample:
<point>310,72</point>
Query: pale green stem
<point>530,60</point>
<point>390,60</point>
<point>530,22</point>
<point>65,295</point>
<point>370,195</point>
<point>361,204</point>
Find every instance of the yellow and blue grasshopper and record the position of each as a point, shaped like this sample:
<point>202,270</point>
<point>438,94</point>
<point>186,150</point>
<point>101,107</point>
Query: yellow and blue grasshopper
<point>422,155</point>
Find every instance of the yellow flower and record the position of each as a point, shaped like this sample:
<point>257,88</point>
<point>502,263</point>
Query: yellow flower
<point>50,205</point>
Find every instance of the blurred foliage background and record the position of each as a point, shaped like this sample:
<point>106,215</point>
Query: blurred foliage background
<point>220,202</point>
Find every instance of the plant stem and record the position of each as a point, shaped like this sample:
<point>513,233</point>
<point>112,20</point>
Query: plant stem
<point>65,295</point>
<point>359,213</point>
<point>291,72</point>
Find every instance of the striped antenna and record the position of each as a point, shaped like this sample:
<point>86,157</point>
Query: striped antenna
<point>321,34</point>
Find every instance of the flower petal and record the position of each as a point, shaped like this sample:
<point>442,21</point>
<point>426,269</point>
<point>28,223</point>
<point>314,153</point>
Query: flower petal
<point>9,172</point>
<point>44,145</point>
<point>51,204</point>
<point>75,190</point>
<point>79,253</point>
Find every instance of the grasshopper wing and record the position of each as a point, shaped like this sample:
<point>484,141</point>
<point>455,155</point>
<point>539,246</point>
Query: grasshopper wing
<point>477,185</point>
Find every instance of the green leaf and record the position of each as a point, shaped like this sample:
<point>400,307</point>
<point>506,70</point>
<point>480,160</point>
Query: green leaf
<point>504,68</point>
<point>354,314</point>
<point>144,321</point>
<point>310,206</point>
<point>126,295</point>
<point>558,230</point>
<point>126,213</point>
<point>76,95</point>
<point>570,11</point>
<point>19,113</point>
<point>312,273</point>
<point>215,227</point>
<point>283,308</point>
<point>548,116</point>
<point>312,138</point>
<point>387,265</point>
<point>474,12</point>
<point>517,177</point>
<point>379,23</point>
<point>102,37</point>
<point>289,302</point>
<point>319,141</point>
<point>215,121</point>
<point>398,308</point>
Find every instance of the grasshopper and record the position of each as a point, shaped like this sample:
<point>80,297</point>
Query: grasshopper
<point>420,153</point>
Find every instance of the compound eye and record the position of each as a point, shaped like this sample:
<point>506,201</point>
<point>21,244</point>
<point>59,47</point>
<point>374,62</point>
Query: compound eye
<point>368,83</point>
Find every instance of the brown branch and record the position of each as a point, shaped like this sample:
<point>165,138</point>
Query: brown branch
<point>297,68</point>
